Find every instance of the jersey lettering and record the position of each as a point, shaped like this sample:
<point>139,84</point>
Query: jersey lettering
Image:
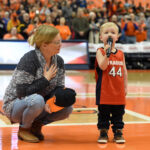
<point>113,72</point>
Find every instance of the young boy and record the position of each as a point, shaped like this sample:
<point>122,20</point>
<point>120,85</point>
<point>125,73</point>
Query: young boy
<point>111,84</point>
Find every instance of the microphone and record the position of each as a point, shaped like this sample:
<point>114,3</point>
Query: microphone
<point>109,42</point>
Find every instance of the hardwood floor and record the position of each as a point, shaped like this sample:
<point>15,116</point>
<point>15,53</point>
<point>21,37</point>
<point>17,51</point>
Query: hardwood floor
<point>79,131</point>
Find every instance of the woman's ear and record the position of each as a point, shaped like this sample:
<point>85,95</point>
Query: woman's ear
<point>43,46</point>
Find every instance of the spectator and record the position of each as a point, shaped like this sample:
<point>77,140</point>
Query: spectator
<point>67,11</point>
<point>45,10</point>
<point>74,5</point>
<point>115,20</point>
<point>23,26</point>
<point>13,22</point>
<point>120,8</point>
<point>64,30</point>
<point>141,34</point>
<point>32,27</point>
<point>147,10</point>
<point>32,13</point>
<point>13,35</point>
<point>6,19</point>
<point>59,15</point>
<point>49,21</point>
<point>108,6</point>
<point>94,28</point>
<point>133,6</point>
<point>80,25</point>
<point>20,9</point>
<point>130,28</point>
<point>20,17</point>
<point>140,8</point>
<point>81,3</point>
<point>126,4</point>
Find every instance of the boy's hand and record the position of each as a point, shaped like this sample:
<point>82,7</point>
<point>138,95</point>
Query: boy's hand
<point>47,108</point>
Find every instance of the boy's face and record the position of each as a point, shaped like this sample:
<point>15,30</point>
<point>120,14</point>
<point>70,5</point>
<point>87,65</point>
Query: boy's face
<point>109,32</point>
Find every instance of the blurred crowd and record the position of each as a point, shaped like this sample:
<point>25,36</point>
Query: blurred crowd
<point>75,19</point>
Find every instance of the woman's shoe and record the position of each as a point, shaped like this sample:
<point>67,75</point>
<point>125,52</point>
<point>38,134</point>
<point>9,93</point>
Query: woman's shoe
<point>26,135</point>
<point>36,130</point>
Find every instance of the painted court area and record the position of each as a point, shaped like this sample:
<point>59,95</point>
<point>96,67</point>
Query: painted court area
<point>80,131</point>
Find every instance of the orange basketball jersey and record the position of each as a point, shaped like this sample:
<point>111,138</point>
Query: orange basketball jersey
<point>110,82</point>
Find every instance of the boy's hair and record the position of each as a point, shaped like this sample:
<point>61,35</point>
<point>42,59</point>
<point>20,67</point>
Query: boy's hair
<point>108,24</point>
<point>43,34</point>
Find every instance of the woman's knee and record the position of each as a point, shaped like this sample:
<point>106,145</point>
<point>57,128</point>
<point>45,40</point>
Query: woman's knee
<point>36,101</point>
<point>66,112</point>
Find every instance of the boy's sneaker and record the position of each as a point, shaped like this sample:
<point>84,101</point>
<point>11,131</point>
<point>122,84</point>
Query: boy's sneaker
<point>103,138</point>
<point>118,138</point>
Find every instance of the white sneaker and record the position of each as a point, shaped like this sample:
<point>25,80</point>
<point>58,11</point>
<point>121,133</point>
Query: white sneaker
<point>103,138</point>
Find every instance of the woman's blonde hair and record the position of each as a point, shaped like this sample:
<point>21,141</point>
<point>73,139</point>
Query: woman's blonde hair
<point>43,34</point>
<point>108,24</point>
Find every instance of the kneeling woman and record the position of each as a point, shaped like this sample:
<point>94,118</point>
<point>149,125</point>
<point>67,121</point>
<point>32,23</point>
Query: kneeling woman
<point>38,73</point>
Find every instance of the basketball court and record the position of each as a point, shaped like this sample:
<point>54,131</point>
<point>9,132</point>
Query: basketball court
<point>80,131</point>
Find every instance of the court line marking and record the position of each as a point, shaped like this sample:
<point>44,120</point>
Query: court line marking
<point>92,95</point>
<point>140,95</point>
<point>85,109</point>
<point>138,115</point>
<point>76,124</point>
<point>141,116</point>
<point>133,113</point>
